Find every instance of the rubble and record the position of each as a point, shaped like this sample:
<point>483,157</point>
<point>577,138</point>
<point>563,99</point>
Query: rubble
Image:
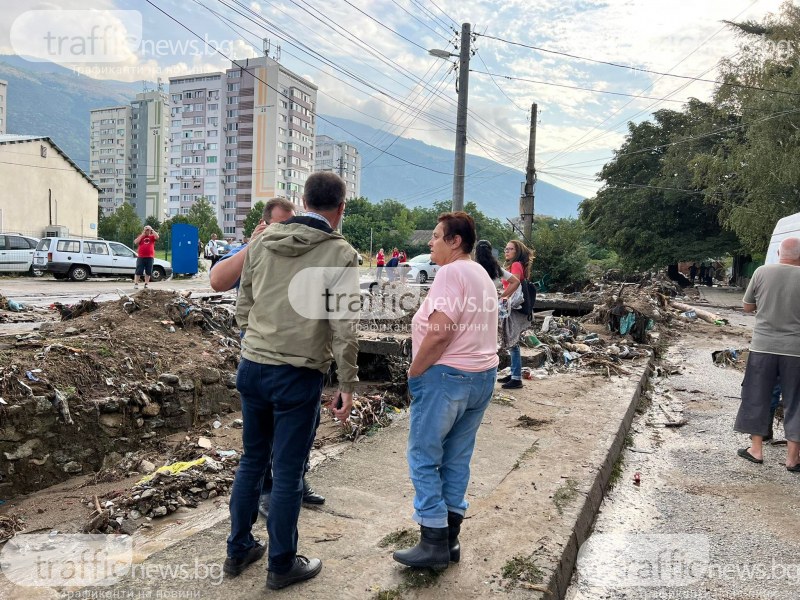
<point>120,383</point>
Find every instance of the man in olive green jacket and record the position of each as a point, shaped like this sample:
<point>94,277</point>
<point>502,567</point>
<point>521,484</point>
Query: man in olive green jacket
<point>298,308</point>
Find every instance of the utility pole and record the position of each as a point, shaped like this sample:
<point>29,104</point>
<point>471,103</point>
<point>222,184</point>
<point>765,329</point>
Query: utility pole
<point>526,201</point>
<point>461,118</point>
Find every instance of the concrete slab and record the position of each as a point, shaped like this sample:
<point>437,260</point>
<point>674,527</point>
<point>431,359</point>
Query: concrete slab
<point>533,493</point>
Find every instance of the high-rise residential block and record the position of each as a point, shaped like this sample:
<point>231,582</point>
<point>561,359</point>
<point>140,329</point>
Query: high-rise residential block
<point>341,158</point>
<point>196,139</point>
<point>109,155</point>
<point>3,105</point>
<point>149,146</point>
<point>269,137</point>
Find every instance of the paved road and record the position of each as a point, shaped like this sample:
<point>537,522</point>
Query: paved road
<point>45,290</point>
<point>718,526</point>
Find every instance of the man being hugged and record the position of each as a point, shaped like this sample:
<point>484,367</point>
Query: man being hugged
<point>285,354</point>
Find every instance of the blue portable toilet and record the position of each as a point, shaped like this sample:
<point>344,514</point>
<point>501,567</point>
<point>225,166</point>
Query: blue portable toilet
<point>185,242</point>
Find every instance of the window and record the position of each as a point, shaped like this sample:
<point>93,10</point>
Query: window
<point>211,159</point>
<point>211,172</point>
<point>68,246</point>
<point>213,121</point>
<point>234,87</point>
<point>211,146</point>
<point>234,74</point>
<point>212,133</point>
<point>231,139</point>
<point>198,120</point>
<point>15,242</point>
<point>95,248</point>
<point>213,107</point>
<point>120,250</point>
<point>176,97</point>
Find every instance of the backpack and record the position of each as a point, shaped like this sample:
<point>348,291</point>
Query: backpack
<point>528,298</point>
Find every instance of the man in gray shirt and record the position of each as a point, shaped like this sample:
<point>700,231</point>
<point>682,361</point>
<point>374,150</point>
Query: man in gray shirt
<point>774,291</point>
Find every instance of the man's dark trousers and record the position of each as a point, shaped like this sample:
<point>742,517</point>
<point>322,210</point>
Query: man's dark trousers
<point>280,404</point>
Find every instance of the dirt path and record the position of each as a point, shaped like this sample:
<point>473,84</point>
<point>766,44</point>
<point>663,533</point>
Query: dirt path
<point>696,493</point>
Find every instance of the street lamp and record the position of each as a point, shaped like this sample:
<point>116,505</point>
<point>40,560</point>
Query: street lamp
<point>461,115</point>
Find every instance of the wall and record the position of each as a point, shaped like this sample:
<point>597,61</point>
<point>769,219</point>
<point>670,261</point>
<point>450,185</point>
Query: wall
<point>24,201</point>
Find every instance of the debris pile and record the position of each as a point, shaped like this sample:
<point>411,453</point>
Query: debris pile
<point>182,483</point>
<point>109,380</point>
<point>731,357</point>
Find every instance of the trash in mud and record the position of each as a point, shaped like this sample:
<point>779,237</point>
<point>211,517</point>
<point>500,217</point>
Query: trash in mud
<point>73,311</point>
<point>731,357</point>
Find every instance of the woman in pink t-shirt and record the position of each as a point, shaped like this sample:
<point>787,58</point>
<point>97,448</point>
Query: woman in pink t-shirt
<point>451,380</point>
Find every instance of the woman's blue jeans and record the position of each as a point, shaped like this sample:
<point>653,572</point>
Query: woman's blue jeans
<point>447,407</point>
<point>516,362</point>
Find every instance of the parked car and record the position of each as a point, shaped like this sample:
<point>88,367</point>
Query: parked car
<point>16,254</point>
<point>79,259</point>
<point>419,269</point>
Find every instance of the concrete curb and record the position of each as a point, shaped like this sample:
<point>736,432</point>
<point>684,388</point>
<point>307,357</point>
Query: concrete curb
<point>562,575</point>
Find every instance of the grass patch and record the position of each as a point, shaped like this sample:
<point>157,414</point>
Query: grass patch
<point>413,579</point>
<point>420,578</point>
<point>105,352</point>
<point>527,454</point>
<point>392,594</point>
<point>502,400</point>
<point>532,423</point>
<point>565,494</point>
<point>644,404</point>
<point>628,443</point>
<point>616,472</point>
<point>521,569</point>
<point>69,392</point>
<point>400,539</point>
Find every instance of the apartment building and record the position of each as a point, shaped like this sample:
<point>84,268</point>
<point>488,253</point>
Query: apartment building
<point>269,137</point>
<point>196,140</point>
<point>109,155</point>
<point>148,159</point>
<point>343,159</point>
<point>3,96</point>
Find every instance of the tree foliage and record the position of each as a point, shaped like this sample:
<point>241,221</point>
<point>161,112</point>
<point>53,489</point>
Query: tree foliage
<point>392,224</point>
<point>561,251</point>
<point>754,177</point>
<point>712,178</point>
<point>202,216</point>
<point>123,225</point>
<point>253,218</point>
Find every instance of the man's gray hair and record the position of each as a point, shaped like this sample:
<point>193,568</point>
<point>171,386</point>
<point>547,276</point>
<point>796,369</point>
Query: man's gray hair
<point>274,203</point>
<point>790,248</point>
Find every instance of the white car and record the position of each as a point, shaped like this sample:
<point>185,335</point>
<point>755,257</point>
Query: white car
<point>78,259</point>
<point>16,254</point>
<point>419,269</point>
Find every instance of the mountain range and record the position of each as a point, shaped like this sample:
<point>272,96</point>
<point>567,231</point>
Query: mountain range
<point>47,99</point>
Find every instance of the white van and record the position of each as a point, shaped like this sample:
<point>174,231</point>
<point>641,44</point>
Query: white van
<point>78,259</point>
<point>786,227</point>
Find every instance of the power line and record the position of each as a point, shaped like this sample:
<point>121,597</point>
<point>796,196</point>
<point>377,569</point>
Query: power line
<point>573,87</point>
<point>418,20</point>
<point>478,54</point>
<point>640,69</point>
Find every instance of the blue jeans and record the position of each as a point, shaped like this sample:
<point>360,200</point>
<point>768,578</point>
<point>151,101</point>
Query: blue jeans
<point>266,488</point>
<point>516,362</point>
<point>280,406</point>
<point>447,407</point>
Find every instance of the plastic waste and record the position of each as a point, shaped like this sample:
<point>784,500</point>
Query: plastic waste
<point>15,306</point>
<point>502,309</point>
<point>689,314</point>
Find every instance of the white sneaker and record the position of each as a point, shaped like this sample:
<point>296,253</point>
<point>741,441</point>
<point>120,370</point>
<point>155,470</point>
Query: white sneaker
<point>136,286</point>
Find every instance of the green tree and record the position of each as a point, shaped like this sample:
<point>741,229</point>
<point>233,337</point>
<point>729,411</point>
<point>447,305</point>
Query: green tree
<point>561,252</point>
<point>153,221</point>
<point>253,218</point>
<point>202,216</point>
<point>647,210</point>
<point>123,225</point>
<point>754,177</point>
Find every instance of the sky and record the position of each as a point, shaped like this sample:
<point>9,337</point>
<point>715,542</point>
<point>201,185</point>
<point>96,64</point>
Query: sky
<point>370,61</point>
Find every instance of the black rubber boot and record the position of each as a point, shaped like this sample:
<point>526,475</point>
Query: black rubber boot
<point>432,552</point>
<point>454,528</point>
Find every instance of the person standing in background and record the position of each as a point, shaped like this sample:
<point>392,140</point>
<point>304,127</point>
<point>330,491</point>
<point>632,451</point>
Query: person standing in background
<point>145,255</point>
